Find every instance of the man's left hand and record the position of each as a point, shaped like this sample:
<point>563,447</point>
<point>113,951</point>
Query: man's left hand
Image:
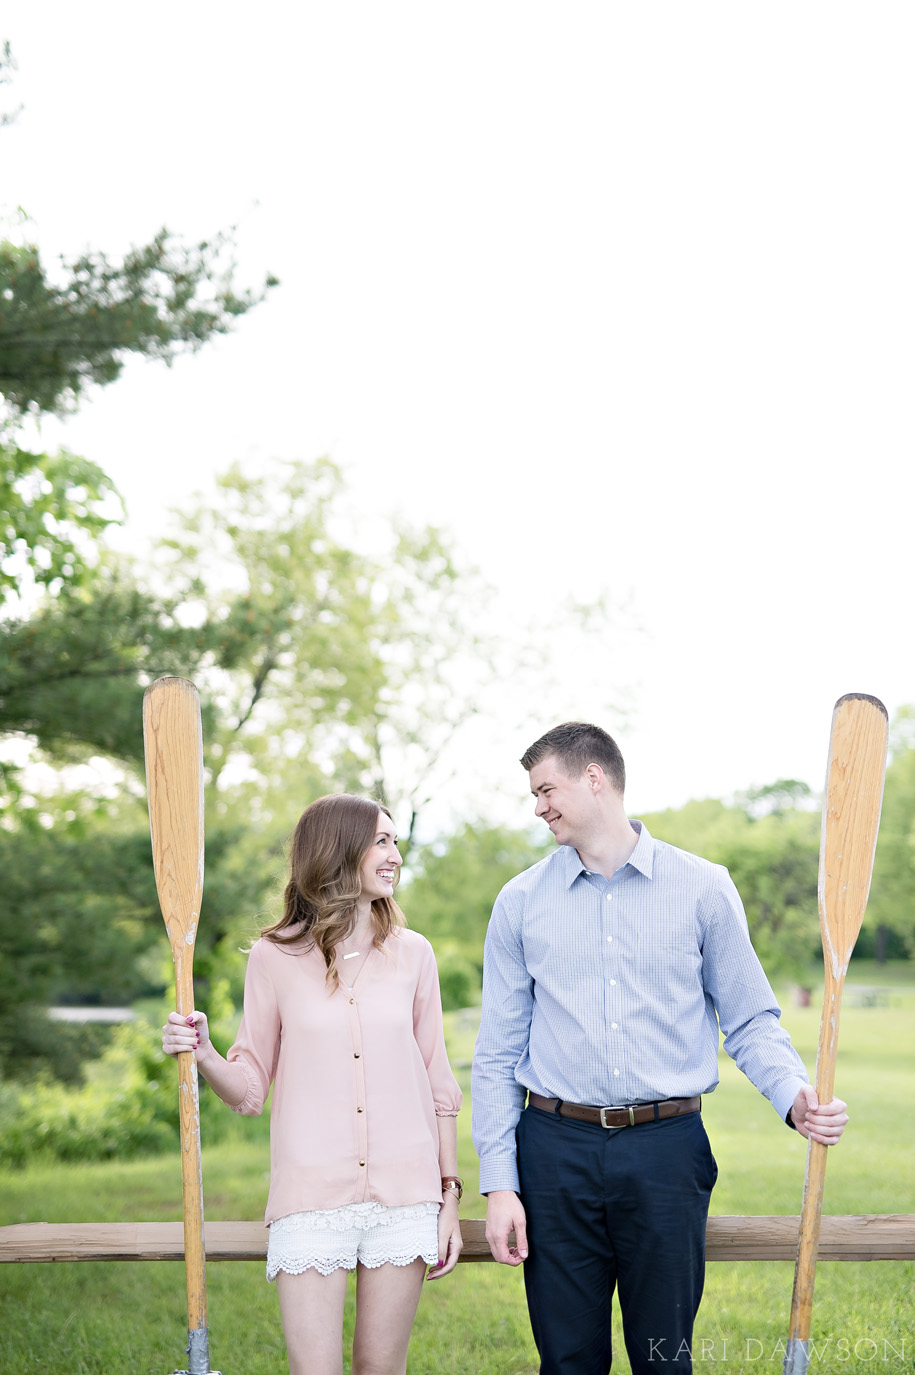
<point>824,1124</point>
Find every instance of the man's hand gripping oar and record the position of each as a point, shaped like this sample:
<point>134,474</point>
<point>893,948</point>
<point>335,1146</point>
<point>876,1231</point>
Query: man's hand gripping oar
<point>851,817</point>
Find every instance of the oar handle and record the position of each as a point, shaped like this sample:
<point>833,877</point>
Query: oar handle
<point>805,1265</point>
<point>814,1179</point>
<point>827,1049</point>
<point>191,1164</point>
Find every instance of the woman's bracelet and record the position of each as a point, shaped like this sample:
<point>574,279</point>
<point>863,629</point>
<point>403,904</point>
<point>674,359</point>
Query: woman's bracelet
<point>451,1183</point>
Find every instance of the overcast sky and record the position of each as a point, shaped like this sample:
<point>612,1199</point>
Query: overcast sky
<point>622,295</point>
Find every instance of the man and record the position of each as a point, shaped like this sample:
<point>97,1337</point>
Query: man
<point>608,968</point>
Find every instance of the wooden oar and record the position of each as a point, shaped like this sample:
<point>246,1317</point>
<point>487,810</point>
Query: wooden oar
<point>173,743</point>
<point>851,817</point>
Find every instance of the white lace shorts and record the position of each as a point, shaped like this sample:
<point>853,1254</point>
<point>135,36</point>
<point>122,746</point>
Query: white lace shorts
<point>336,1238</point>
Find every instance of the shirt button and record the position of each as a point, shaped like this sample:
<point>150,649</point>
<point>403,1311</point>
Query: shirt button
<point>352,1000</point>
<point>613,981</point>
<point>355,1055</point>
<point>616,1071</point>
<point>613,1025</point>
<point>609,938</point>
<point>609,897</point>
<point>360,1109</point>
<point>362,1162</point>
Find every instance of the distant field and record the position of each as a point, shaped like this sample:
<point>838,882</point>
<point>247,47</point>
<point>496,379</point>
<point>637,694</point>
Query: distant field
<point>105,1319</point>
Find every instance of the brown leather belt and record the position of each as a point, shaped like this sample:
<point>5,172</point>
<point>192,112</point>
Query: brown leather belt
<point>618,1117</point>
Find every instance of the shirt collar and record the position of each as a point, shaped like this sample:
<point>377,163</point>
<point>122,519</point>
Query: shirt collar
<point>642,857</point>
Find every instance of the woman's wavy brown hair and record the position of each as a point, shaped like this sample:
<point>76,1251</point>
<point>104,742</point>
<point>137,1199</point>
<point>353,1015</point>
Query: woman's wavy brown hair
<point>329,844</point>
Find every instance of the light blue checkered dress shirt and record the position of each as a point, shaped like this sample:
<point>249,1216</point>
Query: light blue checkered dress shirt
<point>611,993</point>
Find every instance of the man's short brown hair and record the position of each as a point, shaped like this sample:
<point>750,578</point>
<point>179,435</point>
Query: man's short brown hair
<point>576,745</point>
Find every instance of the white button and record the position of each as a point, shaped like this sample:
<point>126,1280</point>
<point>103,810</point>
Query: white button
<point>616,1071</point>
<point>609,897</point>
<point>613,981</point>
<point>609,938</point>
<point>614,1025</point>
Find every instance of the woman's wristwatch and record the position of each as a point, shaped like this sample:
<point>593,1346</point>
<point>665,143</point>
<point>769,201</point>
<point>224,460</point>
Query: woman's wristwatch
<point>451,1183</point>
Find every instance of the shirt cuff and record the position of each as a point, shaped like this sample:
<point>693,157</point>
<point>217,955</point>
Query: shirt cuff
<point>252,1105</point>
<point>499,1173</point>
<point>783,1098</point>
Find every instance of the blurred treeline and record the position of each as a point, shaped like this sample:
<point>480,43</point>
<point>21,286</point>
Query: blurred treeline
<point>326,661</point>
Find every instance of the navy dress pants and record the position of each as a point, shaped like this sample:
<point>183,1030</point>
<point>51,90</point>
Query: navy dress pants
<point>622,1209</point>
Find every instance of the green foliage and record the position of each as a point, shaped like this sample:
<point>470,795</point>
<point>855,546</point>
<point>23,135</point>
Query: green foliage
<point>57,337</point>
<point>458,976</point>
<point>300,645</point>
<point>777,797</point>
<point>123,1110</point>
<point>321,654</point>
<point>127,1107</point>
<point>290,613</point>
<point>433,610</point>
<point>454,885</point>
<point>80,923</point>
<point>72,674</point>
<point>53,509</point>
<point>75,917</point>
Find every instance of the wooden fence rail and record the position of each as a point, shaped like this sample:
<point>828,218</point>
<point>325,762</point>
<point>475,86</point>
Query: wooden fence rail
<point>865,1236</point>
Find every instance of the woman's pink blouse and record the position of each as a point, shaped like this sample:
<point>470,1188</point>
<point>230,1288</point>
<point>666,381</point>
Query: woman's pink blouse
<point>359,1077</point>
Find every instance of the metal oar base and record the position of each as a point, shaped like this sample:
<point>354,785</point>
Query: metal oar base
<point>797,1356</point>
<point>198,1353</point>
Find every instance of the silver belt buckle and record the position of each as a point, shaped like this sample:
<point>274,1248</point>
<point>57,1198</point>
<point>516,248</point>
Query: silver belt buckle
<point>604,1123</point>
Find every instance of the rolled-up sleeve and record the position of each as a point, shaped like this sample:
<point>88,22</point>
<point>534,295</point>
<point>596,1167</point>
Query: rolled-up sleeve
<point>429,1032</point>
<point>257,1046</point>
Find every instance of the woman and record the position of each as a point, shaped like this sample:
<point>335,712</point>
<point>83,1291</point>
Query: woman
<point>342,1014</point>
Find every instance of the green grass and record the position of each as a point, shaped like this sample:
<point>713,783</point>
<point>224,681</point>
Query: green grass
<point>106,1318</point>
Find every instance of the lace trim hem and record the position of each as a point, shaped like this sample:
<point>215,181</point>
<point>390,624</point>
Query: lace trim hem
<point>326,1265</point>
<point>370,1234</point>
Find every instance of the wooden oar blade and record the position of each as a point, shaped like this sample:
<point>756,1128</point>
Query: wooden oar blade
<point>173,742</point>
<point>851,818</point>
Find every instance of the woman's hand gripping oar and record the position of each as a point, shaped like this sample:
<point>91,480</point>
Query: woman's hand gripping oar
<point>173,743</point>
<point>851,817</point>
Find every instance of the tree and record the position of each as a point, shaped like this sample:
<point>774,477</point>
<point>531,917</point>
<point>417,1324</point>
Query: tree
<point>438,664</point>
<point>774,798</point>
<point>453,885</point>
<point>60,334</point>
<point>319,651</point>
<point>72,674</point>
<point>299,644</point>
<point>53,510</point>
<point>80,920</point>
<point>56,338</point>
<point>80,636</point>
